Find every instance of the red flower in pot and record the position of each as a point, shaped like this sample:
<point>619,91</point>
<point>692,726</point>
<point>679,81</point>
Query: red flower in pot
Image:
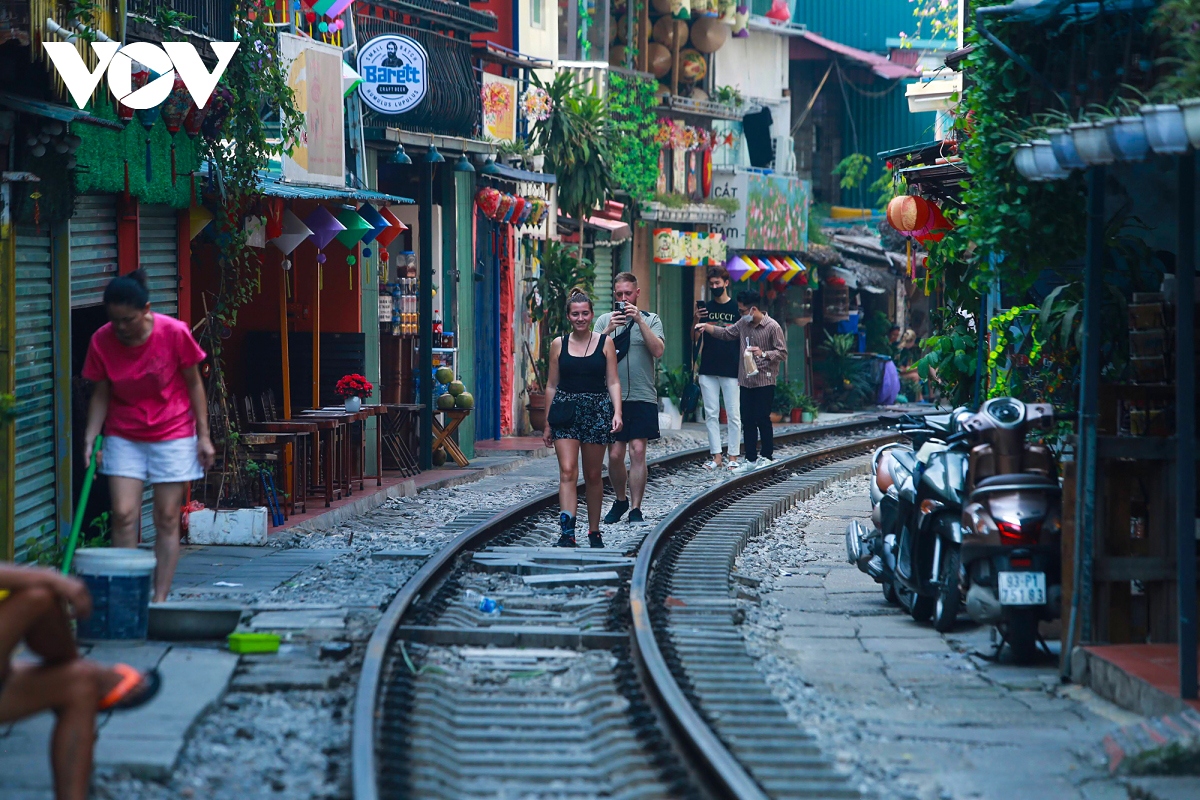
<point>353,389</point>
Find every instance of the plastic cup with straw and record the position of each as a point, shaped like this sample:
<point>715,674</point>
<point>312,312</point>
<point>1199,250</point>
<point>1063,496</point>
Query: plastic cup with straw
<point>77,521</point>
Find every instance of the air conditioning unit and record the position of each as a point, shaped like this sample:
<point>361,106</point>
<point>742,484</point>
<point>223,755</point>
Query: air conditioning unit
<point>785,154</point>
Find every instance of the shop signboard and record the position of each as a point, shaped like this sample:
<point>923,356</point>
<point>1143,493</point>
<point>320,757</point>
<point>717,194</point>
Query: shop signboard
<point>689,248</point>
<point>395,73</point>
<point>772,210</point>
<point>314,74</point>
<point>499,107</point>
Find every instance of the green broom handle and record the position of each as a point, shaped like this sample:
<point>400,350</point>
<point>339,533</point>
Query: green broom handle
<point>77,522</point>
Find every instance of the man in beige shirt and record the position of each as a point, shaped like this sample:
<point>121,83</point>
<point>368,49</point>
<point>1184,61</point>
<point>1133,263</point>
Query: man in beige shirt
<point>762,337</point>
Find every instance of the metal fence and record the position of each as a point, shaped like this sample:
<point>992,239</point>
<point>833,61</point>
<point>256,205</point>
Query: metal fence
<point>211,18</point>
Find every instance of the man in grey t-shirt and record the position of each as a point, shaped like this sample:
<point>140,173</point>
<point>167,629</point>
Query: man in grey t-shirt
<point>639,400</point>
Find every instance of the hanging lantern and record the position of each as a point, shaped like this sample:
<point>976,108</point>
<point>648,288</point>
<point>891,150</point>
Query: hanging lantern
<point>174,112</point>
<point>937,227</point>
<point>375,220</point>
<point>388,235</point>
<point>139,77</point>
<point>488,200</point>
<point>355,228</point>
<point>219,106</point>
<point>194,119</point>
<point>909,213</point>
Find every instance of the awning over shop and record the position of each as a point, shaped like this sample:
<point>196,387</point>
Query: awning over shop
<point>273,186</point>
<point>614,231</point>
<point>53,111</point>
<point>872,280</point>
<point>514,174</point>
<point>808,46</point>
<point>779,268</point>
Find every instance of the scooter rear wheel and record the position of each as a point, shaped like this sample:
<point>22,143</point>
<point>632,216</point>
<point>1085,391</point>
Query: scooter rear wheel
<point>889,593</point>
<point>921,607</point>
<point>1021,633</point>
<point>949,597</point>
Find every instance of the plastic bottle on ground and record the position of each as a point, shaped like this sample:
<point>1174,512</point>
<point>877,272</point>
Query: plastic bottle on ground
<point>482,602</point>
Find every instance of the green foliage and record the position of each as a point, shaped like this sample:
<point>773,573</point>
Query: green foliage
<point>936,19</point>
<point>852,170</point>
<point>729,205</point>
<point>1177,21</point>
<point>728,95</point>
<point>672,199</point>
<point>102,525</point>
<point>847,379</point>
<point>672,382</point>
<point>575,141</point>
<point>631,103</point>
<point>8,411</point>
<point>950,364</point>
<point>789,395</point>
<point>546,299</point>
<point>877,326</point>
<point>1034,226</point>
<point>888,186</point>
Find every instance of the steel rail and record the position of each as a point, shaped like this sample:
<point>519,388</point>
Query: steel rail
<point>721,765</point>
<point>367,708</point>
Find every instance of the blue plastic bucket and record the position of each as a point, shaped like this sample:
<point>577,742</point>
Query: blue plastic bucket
<point>119,580</point>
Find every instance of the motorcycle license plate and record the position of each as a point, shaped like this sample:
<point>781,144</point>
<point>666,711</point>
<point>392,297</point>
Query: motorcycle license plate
<point>1022,588</point>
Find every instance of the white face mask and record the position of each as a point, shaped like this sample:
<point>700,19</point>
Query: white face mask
<point>748,318</point>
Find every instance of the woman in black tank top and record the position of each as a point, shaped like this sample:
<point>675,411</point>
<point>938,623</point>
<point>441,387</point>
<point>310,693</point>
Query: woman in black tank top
<point>583,401</point>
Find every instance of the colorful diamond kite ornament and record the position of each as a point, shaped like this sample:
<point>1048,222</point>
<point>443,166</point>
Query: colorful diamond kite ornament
<point>198,219</point>
<point>324,227</point>
<point>387,236</point>
<point>378,224</point>
<point>294,232</point>
<point>355,227</point>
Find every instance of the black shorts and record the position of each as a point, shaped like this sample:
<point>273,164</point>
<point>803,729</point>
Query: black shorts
<point>640,421</point>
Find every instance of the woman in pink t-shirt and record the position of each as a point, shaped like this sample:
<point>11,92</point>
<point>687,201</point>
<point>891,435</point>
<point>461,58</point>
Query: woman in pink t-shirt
<point>149,401</point>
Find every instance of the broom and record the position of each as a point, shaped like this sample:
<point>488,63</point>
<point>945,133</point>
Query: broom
<point>77,521</point>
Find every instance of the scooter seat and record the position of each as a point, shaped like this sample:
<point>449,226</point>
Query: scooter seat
<point>1016,482</point>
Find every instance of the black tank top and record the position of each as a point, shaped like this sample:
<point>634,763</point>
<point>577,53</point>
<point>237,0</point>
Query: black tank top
<point>582,373</point>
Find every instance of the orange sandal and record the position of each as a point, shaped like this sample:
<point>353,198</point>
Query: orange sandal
<point>119,698</point>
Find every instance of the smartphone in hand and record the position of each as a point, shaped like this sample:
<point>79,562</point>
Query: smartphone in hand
<point>701,309</point>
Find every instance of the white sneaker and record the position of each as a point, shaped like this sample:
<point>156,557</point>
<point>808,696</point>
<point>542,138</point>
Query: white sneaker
<point>763,462</point>
<point>745,466</point>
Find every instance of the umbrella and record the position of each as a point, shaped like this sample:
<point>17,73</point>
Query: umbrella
<point>324,227</point>
<point>294,232</point>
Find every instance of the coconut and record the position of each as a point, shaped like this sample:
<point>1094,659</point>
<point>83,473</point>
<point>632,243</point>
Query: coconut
<point>456,388</point>
<point>465,401</point>
<point>445,375</point>
<point>439,457</point>
<point>445,402</point>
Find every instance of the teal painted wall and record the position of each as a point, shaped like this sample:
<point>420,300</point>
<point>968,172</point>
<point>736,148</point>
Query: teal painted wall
<point>464,185</point>
<point>865,24</point>
<point>881,123</point>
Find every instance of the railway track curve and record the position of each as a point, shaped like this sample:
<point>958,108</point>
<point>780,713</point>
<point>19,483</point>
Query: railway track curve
<point>616,672</point>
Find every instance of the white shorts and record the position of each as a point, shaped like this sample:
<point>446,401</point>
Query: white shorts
<point>172,461</point>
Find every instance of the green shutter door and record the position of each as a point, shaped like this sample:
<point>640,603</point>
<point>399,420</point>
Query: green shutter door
<point>602,288</point>
<point>93,248</point>
<point>34,510</point>
<point>158,242</point>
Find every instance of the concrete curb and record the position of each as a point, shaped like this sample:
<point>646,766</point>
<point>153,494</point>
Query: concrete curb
<point>1118,686</point>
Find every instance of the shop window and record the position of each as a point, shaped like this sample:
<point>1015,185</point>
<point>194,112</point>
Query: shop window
<point>537,14</point>
<point>583,29</point>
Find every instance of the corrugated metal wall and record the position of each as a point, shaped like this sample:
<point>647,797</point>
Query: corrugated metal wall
<point>865,24</point>
<point>158,243</point>
<point>603,285</point>
<point>34,509</point>
<point>93,248</point>
<point>881,123</point>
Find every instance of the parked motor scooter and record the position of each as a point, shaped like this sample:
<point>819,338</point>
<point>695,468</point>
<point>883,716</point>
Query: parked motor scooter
<point>1013,524</point>
<point>916,498</point>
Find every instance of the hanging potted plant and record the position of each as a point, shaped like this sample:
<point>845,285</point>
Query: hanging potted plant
<point>353,389</point>
<point>1165,129</point>
<point>1091,141</point>
<point>1127,138</point>
<point>1177,22</point>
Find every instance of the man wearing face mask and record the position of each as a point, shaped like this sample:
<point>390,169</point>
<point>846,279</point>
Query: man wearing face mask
<point>761,338</point>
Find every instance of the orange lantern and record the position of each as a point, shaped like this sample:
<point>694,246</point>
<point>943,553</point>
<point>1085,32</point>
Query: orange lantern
<point>909,213</point>
<point>937,227</point>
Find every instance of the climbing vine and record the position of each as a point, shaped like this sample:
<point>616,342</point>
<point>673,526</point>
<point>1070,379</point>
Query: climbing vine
<point>631,102</point>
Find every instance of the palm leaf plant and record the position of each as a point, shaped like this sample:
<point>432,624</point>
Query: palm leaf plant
<point>847,379</point>
<point>547,298</point>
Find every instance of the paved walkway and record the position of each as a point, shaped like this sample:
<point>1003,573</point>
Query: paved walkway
<point>930,709</point>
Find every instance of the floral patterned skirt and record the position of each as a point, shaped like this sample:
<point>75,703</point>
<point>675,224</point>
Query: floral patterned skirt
<point>593,417</point>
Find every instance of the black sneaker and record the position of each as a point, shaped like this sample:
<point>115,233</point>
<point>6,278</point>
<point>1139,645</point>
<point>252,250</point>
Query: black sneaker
<point>566,540</point>
<point>594,539</point>
<point>635,517</point>
<point>619,507</point>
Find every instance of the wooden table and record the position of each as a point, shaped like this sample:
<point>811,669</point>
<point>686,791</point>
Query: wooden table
<point>398,424</point>
<point>345,467</point>
<point>325,431</point>
<point>442,434</point>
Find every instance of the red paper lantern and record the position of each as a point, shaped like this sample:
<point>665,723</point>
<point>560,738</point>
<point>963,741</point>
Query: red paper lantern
<point>175,107</point>
<point>909,213</point>
<point>505,204</point>
<point>488,200</point>
<point>194,118</point>
<point>139,77</point>
<point>937,227</point>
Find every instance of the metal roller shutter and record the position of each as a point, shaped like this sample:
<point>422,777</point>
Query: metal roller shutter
<point>34,506</point>
<point>158,243</point>
<point>93,248</point>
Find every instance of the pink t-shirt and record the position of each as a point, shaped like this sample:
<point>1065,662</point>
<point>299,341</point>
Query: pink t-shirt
<point>149,400</point>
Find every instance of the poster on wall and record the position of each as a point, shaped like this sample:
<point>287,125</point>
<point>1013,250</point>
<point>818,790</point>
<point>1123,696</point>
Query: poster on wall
<point>394,72</point>
<point>772,211</point>
<point>499,107</point>
<point>314,74</point>
<point>689,248</point>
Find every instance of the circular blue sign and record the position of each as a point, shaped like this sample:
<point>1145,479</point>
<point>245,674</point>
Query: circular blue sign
<point>394,73</point>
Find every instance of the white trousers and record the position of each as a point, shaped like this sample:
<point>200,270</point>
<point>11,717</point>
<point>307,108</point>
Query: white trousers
<point>712,388</point>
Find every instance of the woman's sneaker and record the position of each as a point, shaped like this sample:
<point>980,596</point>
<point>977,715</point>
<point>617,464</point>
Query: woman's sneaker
<point>567,523</point>
<point>594,539</point>
<point>635,517</point>
<point>746,465</point>
<point>763,462</point>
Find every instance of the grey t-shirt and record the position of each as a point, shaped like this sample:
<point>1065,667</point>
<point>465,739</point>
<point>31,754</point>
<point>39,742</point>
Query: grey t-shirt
<point>636,370</point>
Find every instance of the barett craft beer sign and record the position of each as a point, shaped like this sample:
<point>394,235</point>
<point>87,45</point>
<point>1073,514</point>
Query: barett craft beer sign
<point>395,73</point>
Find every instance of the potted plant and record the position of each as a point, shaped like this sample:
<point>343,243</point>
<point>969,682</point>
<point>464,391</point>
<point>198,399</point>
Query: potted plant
<point>808,408</point>
<point>353,389</point>
<point>781,405</point>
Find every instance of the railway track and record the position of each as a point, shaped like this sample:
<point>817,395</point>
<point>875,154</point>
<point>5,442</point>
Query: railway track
<point>616,672</point>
